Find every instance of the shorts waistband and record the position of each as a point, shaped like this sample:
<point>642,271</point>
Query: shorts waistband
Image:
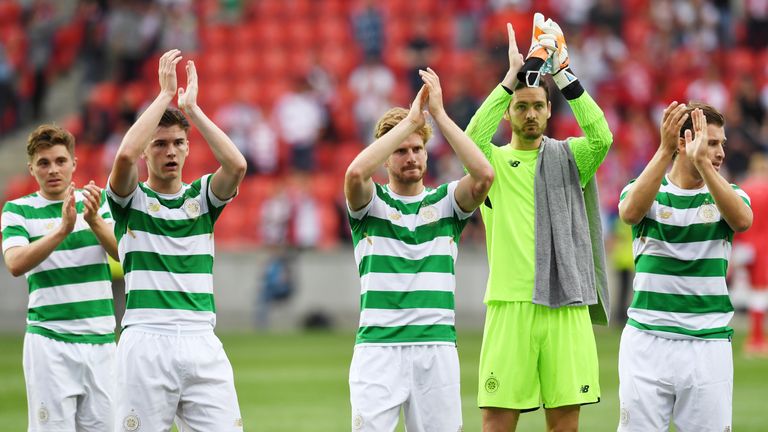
<point>172,330</point>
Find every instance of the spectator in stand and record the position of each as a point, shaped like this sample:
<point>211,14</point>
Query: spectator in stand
<point>300,120</point>
<point>7,92</point>
<point>373,83</point>
<point>240,120</point>
<point>275,217</point>
<point>179,30</point>
<point>756,186</point>
<point>462,106</point>
<point>305,215</point>
<point>40,30</point>
<point>420,52</point>
<point>125,40</point>
<point>709,88</point>
<point>368,28</point>
<point>756,14</point>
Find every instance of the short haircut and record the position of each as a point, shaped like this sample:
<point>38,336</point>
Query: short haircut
<point>711,114</point>
<point>394,116</point>
<point>47,136</point>
<point>174,116</point>
<point>543,83</point>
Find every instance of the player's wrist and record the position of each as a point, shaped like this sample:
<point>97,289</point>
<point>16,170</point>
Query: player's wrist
<point>568,83</point>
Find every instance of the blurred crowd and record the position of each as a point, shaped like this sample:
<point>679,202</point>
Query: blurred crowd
<point>299,84</point>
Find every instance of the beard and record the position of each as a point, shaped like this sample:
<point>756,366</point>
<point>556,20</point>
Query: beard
<point>407,176</point>
<point>528,133</point>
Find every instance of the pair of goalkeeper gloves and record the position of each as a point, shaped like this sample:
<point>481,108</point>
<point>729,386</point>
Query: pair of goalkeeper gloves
<point>549,55</point>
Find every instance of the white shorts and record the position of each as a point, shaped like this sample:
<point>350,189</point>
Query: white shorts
<point>687,381</point>
<point>422,379</point>
<point>167,374</point>
<point>69,385</point>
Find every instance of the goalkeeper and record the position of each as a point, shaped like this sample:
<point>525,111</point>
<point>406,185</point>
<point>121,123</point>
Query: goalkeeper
<point>547,282</point>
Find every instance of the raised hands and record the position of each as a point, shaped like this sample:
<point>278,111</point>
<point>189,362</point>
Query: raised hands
<point>672,120</point>
<point>167,71</point>
<point>68,210</point>
<point>92,202</point>
<point>416,113</point>
<point>515,58</point>
<point>188,97</point>
<point>697,142</point>
<point>434,91</point>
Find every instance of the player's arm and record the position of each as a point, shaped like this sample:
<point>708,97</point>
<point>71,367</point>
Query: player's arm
<point>589,150</point>
<point>732,207</point>
<point>473,188</point>
<point>233,165</point>
<point>486,120</point>
<point>125,174</point>
<point>358,185</point>
<point>635,205</point>
<point>21,259</point>
<point>101,229</point>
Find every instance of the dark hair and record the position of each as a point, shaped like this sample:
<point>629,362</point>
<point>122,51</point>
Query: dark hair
<point>174,116</point>
<point>711,114</point>
<point>48,135</point>
<point>543,83</point>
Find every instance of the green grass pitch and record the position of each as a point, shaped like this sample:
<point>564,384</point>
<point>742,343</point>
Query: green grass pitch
<point>298,382</point>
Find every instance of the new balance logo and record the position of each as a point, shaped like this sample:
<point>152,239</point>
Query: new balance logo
<point>514,163</point>
<point>584,388</point>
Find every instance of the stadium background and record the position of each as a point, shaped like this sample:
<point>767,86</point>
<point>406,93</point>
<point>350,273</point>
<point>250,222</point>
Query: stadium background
<point>298,85</point>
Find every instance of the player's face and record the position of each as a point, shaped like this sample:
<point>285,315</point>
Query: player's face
<point>408,163</point>
<point>52,168</point>
<point>166,153</point>
<point>715,148</point>
<point>529,112</point>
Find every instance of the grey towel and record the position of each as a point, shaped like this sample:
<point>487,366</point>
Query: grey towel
<point>570,255</point>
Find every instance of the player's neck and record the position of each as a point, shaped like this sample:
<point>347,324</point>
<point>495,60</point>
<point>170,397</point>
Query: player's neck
<point>685,177</point>
<point>52,197</point>
<point>406,189</point>
<point>169,187</point>
<point>520,143</point>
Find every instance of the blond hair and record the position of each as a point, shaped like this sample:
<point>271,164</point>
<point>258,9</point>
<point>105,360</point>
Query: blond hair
<point>47,136</point>
<point>394,116</point>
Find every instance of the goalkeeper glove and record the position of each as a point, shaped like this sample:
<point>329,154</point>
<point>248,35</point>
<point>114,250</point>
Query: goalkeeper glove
<point>537,56</point>
<point>553,40</point>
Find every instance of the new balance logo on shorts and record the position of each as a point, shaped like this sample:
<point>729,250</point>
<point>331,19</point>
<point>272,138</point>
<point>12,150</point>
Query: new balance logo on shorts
<point>584,389</point>
<point>514,163</point>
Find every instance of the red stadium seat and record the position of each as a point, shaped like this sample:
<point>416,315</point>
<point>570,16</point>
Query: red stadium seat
<point>215,38</point>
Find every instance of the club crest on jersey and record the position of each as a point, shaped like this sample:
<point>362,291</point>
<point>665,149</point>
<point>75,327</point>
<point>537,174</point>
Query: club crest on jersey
<point>708,213</point>
<point>357,422</point>
<point>192,208</point>
<point>624,417</point>
<point>394,216</point>
<point>429,214</point>
<point>153,206</point>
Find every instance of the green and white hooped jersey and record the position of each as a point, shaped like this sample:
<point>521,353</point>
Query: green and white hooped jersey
<point>681,249</point>
<point>166,248</point>
<point>70,292</point>
<point>406,249</point>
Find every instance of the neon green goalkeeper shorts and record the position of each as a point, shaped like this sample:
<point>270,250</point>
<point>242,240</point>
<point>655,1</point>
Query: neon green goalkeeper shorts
<point>534,355</point>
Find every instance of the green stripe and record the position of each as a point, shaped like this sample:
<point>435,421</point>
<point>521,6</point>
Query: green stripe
<point>154,299</point>
<point>373,226</point>
<point>683,202</point>
<point>51,211</point>
<point>682,303</point>
<point>69,275</point>
<point>72,338</point>
<point>676,234</point>
<point>392,264</point>
<point>193,191</point>
<point>407,300</point>
<point>184,264</point>
<point>75,240</point>
<point>707,267</point>
<point>410,333</point>
<point>140,221</point>
<point>712,333</point>
<point>433,197</point>
<point>72,311</point>
<point>15,231</point>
